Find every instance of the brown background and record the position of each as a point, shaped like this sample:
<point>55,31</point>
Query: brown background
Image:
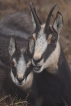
<point>42,8</point>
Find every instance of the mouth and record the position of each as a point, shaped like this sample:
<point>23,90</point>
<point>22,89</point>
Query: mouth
<point>22,83</point>
<point>36,68</point>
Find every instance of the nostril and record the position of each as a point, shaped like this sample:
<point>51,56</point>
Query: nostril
<point>36,61</point>
<point>20,79</point>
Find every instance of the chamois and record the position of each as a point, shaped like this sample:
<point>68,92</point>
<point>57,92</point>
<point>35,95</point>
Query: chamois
<point>52,73</point>
<point>16,79</point>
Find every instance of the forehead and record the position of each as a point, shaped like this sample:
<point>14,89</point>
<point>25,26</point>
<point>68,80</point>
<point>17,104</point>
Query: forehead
<point>43,39</point>
<point>21,54</point>
<point>40,34</point>
<point>40,44</point>
<point>17,54</point>
<point>46,33</point>
<point>43,35</point>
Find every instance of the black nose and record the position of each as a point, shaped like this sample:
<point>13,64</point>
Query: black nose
<point>20,79</point>
<point>36,61</point>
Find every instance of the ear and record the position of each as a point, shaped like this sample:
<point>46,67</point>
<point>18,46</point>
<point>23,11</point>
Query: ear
<point>58,22</point>
<point>31,45</point>
<point>12,46</point>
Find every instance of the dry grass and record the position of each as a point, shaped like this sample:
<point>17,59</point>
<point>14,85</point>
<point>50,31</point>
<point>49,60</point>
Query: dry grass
<point>14,102</point>
<point>9,101</point>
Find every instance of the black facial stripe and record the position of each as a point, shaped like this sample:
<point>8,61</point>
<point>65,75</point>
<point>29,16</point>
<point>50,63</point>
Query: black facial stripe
<point>50,48</point>
<point>37,32</point>
<point>28,71</point>
<point>17,55</point>
<point>52,32</point>
<point>14,71</point>
<point>26,57</point>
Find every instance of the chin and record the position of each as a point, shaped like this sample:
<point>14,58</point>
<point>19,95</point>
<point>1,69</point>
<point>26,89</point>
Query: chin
<point>38,71</point>
<point>20,84</point>
<point>15,81</point>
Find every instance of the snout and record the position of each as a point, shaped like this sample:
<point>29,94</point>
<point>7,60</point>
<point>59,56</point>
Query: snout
<point>20,80</point>
<point>37,63</point>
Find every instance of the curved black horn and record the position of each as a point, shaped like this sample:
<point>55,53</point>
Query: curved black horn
<point>34,15</point>
<point>37,16</point>
<point>49,16</point>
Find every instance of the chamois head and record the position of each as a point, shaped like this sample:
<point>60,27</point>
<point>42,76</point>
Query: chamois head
<point>46,37</point>
<point>20,61</point>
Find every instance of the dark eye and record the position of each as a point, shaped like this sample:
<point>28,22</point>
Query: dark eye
<point>53,40</point>
<point>18,52</point>
<point>12,64</point>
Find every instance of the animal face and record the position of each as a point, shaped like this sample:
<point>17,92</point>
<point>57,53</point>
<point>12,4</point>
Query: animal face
<point>20,62</point>
<point>47,47</point>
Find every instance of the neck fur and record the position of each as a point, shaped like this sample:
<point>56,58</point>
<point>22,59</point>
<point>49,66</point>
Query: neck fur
<point>51,63</point>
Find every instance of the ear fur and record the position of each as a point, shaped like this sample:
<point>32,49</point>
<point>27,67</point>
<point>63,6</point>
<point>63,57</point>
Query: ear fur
<point>58,22</point>
<point>12,46</point>
<point>31,45</point>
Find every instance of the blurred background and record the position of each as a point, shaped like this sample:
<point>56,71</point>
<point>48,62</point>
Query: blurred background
<point>42,8</point>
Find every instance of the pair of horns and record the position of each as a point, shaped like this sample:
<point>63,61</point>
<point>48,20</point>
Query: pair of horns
<point>36,17</point>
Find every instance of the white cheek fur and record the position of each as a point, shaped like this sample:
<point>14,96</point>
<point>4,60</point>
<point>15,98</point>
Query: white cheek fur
<point>52,61</point>
<point>13,78</point>
<point>53,58</point>
<point>21,67</point>
<point>40,45</point>
<point>26,83</point>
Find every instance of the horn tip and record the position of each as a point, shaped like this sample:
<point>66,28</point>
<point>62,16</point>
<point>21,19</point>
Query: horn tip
<point>54,5</point>
<point>31,3</point>
<point>58,12</point>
